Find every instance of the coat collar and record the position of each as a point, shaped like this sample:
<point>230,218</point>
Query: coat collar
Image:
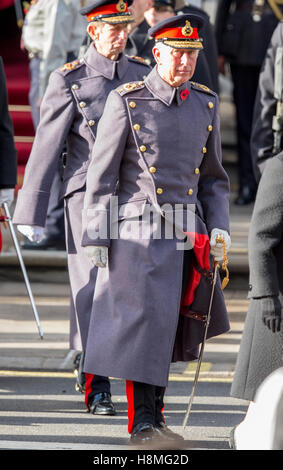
<point>165,92</point>
<point>104,66</point>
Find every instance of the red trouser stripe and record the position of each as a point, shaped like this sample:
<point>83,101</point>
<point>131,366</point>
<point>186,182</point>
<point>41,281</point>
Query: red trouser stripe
<point>131,404</point>
<point>88,389</point>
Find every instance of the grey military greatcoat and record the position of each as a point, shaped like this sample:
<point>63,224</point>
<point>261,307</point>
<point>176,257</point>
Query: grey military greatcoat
<point>261,349</point>
<point>156,147</point>
<point>72,106</point>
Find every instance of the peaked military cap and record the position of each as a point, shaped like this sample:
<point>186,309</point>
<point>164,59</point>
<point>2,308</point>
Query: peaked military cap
<point>109,11</point>
<point>179,31</point>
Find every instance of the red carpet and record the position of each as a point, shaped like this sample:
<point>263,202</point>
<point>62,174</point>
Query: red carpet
<point>18,83</point>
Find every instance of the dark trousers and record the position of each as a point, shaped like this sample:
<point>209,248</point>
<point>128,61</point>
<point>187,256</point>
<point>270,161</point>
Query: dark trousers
<point>95,384</point>
<point>245,81</point>
<point>145,404</point>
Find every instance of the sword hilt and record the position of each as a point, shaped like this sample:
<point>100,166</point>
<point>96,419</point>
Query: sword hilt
<point>220,239</point>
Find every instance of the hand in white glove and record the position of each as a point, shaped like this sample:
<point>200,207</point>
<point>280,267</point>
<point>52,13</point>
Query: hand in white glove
<point>217,249</point>
<point>33,232</point>
<point>6,195</point>
<point>98,255</point>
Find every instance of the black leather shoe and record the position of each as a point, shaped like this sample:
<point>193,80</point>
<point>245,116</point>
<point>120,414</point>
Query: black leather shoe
<point>246,196</point>
<point>167,434</point>
<point>143,433</point>
<point>46,244</point>
<point>102,405</point>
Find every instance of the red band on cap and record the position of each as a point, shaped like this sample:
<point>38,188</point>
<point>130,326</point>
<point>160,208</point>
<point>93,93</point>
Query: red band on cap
<point>176,33</point>
<point>105,10</point>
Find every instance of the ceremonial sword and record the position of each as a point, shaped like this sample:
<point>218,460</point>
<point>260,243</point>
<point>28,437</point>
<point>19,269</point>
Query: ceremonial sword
<point>21,261</point>
<point>219,239</point>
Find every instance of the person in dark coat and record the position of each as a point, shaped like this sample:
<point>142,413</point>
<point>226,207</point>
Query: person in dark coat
<point>70,111</point>
<point>8,153</point>
<point>206,71</point>
<point>262,341</point>
<point>156,166</point>
<point>243,31</point>
<point>262,140</point>
<point>210,64</point>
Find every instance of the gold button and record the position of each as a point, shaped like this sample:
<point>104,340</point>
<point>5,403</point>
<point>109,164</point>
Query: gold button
<point>210,127</point>
<point>82,104</point>
<point>75,86</point>
<point>159,190</point>
<point>132,104</point>
<point>152,169</point>
<point>197,171</point>
<point>137,127</point>
<point>91,122</point>
<point>142,148</point>
<point>204,150</point>
<point>210,105</point>
<point>190,192</point>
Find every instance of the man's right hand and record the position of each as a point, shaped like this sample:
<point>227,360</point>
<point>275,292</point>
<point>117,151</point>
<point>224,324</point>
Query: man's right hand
<point>33,232</point>
<point>271,312</point>
<point>98,255</point>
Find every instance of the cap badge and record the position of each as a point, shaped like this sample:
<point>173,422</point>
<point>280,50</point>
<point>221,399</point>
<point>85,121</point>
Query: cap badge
<point>121,6</point>
<point>187,30</point>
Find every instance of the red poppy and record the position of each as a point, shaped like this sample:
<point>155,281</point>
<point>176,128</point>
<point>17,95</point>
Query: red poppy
<point>184,94</point>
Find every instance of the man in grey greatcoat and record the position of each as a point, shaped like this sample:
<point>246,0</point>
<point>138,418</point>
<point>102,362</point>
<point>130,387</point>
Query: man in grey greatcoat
<point>262,139</point>
<point>260,351</point>
<point>157,157</point>
<point>70,111</point>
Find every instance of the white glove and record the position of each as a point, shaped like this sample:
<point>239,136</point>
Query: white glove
<point>6,195</point>
<point>98,255</point>
<point>33,232</point>
<point>217,249</point>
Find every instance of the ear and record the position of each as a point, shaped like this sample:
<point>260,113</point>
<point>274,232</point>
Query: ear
<point>92,31</point>
<point>156,54</point>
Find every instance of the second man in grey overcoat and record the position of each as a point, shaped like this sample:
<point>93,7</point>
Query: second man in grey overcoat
<point>70,111</point>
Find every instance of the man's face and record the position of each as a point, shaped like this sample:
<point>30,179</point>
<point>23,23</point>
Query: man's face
<point>158,13</point>
<point>138,7</point>
<point>110,40</point>
<point>176,66</point>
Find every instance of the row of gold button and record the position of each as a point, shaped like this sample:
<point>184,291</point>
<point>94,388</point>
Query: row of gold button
<point>143,148</point>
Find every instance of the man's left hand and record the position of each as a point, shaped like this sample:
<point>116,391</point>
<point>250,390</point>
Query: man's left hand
<point>217,249</point>
<point>6,195</point>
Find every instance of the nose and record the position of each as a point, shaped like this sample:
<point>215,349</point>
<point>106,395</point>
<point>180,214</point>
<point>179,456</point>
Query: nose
<point>186,58</point>
<point>123,34</point>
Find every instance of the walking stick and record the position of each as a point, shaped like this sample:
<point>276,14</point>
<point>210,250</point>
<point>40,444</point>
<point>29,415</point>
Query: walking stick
<point>219,239</point>
<point>21,261</point>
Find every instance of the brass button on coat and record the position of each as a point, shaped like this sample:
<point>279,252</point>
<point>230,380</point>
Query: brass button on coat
<point>159,190</point>
<point>204,150</point>
<point>210,127</point>
<point>132,104</point>
<point>197,171</point>
<point>82,104</point>
<point>190,192</point>
<point>142,148</point>
<point>210,105</point>
<point>91,122</point>
<point>137,127</point>
<point>152,169</point>
<point>75,86</point>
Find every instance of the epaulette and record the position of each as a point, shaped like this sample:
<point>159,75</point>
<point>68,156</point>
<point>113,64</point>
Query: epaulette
<point>200,87</point>
<point>131,86</point>
<point>139,60</point>
<point>70,65</point>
